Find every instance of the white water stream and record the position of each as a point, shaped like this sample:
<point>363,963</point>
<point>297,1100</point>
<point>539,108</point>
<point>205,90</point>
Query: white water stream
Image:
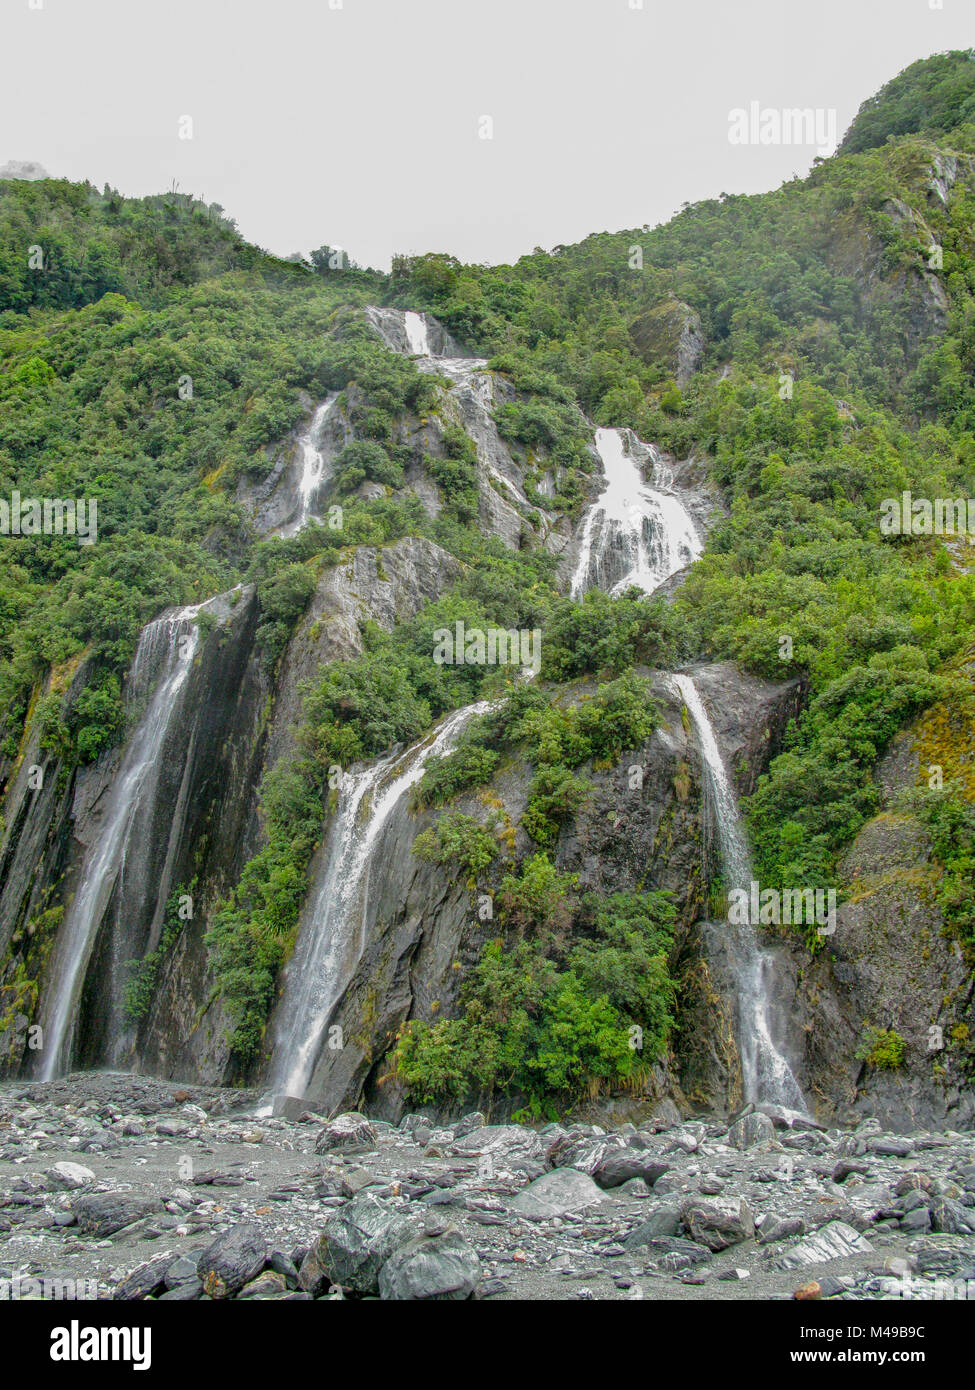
<point>162,664</point>
<point>312,467</point>
<point>766,1075</point>
<point>332,935</point>
<point>635,534</point>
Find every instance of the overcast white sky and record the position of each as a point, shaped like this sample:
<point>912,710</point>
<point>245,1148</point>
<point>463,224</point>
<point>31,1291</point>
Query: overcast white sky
<point>356,122</point>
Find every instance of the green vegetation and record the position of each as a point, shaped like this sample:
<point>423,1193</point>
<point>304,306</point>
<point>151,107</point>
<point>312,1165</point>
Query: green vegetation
<point>546,1020</point>
<point>253,931</point>
<point>931,97</point>
<point>950,821</point>
<point>882,1048</point>
<point>461,840</point>
<point>143,974</point>
<point>555,738</point>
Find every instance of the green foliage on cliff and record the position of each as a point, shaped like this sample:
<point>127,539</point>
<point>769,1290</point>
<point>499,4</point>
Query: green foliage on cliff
<point>882,1048</point>
<point>143,974</point>
<point>950,820</point>
<point>460,840</point>
<point>555,734</point>
<point>545,1020</point>
<point>252,932</point>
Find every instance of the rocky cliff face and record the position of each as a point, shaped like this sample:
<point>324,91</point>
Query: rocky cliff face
<point>195,832</point>
<point>422,933</point>
<point>889,965</point>
<point>645,825</point>
<point>184,832</point>
<point>670,336</point>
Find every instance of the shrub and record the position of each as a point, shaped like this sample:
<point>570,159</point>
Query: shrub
<point>458,839</point>
<point>882,1048</point>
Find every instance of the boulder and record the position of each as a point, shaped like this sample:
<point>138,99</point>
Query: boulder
<point>352,1133</point>
<point>101,1214</point>
<point>754,1131</point>
<point>358,1240</point>
<point>951,1217</point>
<point>661,1224</point>
<point>621,1165</point>
<point>846,1167</point>
<point>832,1241</point>
<point>555,1193</point>
<point>583,1151</point>
<point>68,1177</point>
<point>266,1285</point>
<point>780,1228</point>
<point>232,1260</point>
<point>717,1224</point>
<point>435,1267</point>
<point>506,1143</point>
<point>145,1280</point>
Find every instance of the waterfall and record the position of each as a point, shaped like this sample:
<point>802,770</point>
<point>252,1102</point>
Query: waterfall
<point>159,672</point>
<point>332,938</point>
<point>473,389</point>
<point>417,334</point>
<point>634,533</point>
<point>312,467</point>
<point>766,1075</point>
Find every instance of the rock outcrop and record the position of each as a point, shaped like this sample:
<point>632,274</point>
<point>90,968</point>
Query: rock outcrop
<point>670,336</point>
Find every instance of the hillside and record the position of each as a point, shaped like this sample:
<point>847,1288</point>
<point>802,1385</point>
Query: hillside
<point>777,364</point>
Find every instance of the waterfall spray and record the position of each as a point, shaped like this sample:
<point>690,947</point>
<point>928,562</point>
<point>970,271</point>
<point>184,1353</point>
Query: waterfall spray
<point>162,664</point>
<point>634,533</point>
<point>331,939</point>
<point>766,1074</point>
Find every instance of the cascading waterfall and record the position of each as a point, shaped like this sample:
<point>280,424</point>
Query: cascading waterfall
<point>312,467</point>
<point>417,334</point>
<point>635,534</point>
<point>638,533</point>
<point>472,384</point>
<point>162,664</point>
<point>766,1074</point>
<point>331,940</point>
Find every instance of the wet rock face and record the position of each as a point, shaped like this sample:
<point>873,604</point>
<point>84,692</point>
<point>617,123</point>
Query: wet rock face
<point>271,502</point>
<point>187,828</point>
<point>890,966</point>
<point>187,1195</point>
<point>35,851</point>
<point>419,922</point>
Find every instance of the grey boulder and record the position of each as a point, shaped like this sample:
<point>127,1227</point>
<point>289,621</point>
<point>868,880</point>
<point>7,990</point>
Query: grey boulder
<point>232,1260</point>
<point>435,1267</point>
<point>358,1240</point>
<point>556,1193</point>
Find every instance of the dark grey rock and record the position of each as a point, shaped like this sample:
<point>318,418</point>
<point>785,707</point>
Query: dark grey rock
<point>441,1267</point>
<point>145,1280</point>
<point>780,1228</point>
<point>951,1217</point>
<point>359,1239</point>
<point>623,1164</point>
<point>754,1131</point>
<point>282,1264</point>
<point>350,1133</point>
<point>555,1193</point>
<point>232,1260</point>
<point>845,1167</point>
<point>659,1225</point>
<point>101,1214</point>
<point>717,1224</point>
